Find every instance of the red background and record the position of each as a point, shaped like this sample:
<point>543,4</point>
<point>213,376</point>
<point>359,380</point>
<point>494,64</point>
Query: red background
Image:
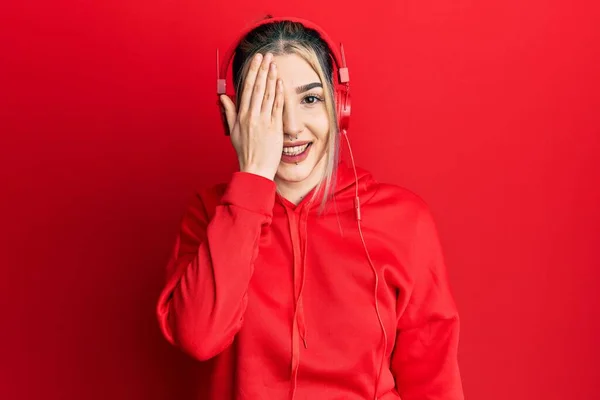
<point>488,110</point>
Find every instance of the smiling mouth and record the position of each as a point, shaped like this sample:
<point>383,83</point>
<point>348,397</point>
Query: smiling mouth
<point>295,150</point>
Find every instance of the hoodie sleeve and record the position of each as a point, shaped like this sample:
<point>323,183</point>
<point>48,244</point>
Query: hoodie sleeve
<point>201,307</point>
<point>424,361</point>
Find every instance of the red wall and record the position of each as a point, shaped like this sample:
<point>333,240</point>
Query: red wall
<point>489,110</point>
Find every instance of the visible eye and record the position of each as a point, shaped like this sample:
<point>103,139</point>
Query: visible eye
<point>312,99</point>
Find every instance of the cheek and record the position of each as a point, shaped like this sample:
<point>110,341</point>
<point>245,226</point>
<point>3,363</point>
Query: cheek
<point>321,133</point>
<point>319,126</point>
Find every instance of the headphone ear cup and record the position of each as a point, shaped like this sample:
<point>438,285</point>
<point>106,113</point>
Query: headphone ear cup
<point>225,126</point>
<point>342,101</point>
<point>224,115</point>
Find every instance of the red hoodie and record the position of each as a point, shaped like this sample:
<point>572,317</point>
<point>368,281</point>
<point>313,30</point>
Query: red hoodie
<point>283,299</point>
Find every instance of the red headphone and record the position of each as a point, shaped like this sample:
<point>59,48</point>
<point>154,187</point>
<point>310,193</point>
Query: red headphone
<point>341,87</point>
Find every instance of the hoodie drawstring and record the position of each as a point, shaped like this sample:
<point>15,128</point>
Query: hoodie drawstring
<point>299,272</point>
<point>299,330</point>
<point>301,319</point>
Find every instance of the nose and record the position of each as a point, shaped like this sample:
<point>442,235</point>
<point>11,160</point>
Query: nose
<point>292,124</point>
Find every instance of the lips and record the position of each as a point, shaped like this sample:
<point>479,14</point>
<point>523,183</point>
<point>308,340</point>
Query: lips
<point>302,143</point>
<point>295,150</point>
<point>296,158</point>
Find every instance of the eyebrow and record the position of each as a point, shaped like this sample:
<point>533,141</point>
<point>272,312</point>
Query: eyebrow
<point>307,87</point>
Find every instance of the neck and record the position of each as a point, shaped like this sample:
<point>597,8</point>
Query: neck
<point>295,192</point>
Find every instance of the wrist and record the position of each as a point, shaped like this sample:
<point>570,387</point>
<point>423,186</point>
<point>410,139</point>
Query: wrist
<point>258,171</point>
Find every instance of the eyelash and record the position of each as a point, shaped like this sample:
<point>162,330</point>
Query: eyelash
<point>319,98</point>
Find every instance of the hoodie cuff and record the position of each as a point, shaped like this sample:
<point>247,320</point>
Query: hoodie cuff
<point>252,192</point>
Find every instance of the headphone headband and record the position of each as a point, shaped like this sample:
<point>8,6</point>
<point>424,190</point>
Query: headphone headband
<point>338,55</point>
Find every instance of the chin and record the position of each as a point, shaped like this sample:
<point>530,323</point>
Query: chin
<point>294,173</point>
<point>298,173</point>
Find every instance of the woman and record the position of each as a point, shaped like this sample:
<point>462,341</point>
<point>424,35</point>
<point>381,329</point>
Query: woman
<point>293,287</point>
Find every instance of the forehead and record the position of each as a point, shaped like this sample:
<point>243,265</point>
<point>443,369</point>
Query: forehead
<point>294,70</point>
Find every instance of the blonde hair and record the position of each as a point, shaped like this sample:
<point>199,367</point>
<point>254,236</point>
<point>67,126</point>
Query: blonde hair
<point>287,37</point>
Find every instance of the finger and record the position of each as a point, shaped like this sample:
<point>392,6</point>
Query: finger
<point>269,98</point>
<point>230,114</point>
<point>259,85</point>
<point>249,83</point>
<point>277,116</point>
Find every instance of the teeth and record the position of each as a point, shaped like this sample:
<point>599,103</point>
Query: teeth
<point>294,151</point>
